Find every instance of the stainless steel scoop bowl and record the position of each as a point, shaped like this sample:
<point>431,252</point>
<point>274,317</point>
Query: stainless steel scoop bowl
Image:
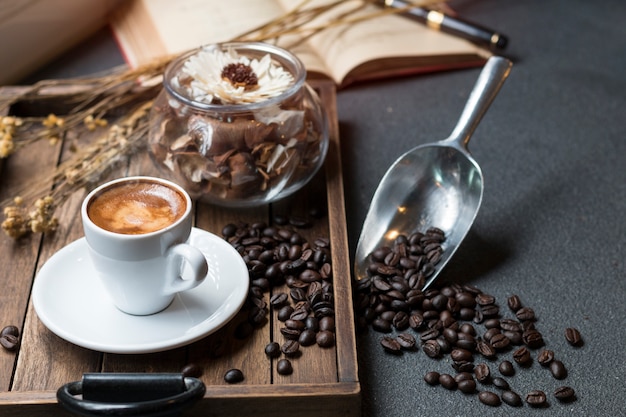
<point>437,184</point>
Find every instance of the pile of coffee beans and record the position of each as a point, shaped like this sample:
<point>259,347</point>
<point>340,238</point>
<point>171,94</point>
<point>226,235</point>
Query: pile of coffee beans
<point>297,274</point>
<point>10,337</point>
<point>460,323</point>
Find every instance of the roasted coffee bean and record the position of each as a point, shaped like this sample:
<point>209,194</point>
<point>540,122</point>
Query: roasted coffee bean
<point>467,386</point>
<point>499,341</point>
<point>466,341</point>
<point>432,378</point>
<point>573,337</point>
<point>501,383</point>
<point>511,398</point>
<point>400,320</point>
<point>192,370</point>
<point>406,340</point>
<point>290,348</point>
<point>381,325</point>
<point>431,348</point>
<point>490,333</point>
<point>463,366</point>
<point>429,334</point>
<point>492,323</point>
<point>445,346</point>
<point>506,368</point>
<point>450,335</point>
<point>532,338</point>
<point>272,350</point>
<point>327,323</point>
<point>557,369</point>
<point>10,330</point>
<point>522,356</point>
<point>447,381</point>
<point>484,299</point>
<point>233,376</point>
<point>510,324</point>
<point>284,367</point>
<point>285,313</point>
<point>536,398</point>
<point>545,357</point>
<point>279,299</point>
<point>291,334</point>
<point>515,338</point>
<point>564,394</point>
<point>468,329</point>
<point>307,337</point>
<point>485,349</point>
<point>461,376</point>
<point>391,345</point>
<point>489,398</point>
<point>9,341</point>
<point>525,314</point>
<point>482,372</point>
<point>460,355</point>
<point>514,302</point>
<point>325,338</point>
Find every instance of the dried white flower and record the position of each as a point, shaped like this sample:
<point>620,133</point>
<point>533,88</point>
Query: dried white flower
<point>229,78</point>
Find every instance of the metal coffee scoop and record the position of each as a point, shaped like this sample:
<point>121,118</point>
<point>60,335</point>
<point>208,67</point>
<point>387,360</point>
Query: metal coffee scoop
<point>437,184</point>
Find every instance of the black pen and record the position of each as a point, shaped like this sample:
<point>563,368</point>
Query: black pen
<point>453,25</point>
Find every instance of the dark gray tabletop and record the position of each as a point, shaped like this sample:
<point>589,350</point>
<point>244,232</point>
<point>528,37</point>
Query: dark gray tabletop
<point>552,225</point>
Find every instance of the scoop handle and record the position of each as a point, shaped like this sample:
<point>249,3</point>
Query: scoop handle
<point>489,82</point>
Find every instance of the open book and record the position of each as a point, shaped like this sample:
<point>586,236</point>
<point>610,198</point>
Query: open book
<point>374,48</point>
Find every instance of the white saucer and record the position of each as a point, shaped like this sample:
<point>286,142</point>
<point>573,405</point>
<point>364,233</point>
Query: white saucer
<point>70,301</point>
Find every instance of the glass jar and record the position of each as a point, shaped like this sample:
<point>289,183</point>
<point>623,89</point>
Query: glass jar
<point>243,154</point>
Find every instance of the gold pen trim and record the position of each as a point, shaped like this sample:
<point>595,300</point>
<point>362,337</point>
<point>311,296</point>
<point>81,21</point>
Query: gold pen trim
<point>434,19</point>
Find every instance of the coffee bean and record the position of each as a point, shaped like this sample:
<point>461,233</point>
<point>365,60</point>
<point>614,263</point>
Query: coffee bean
<point>573,337</point>
<point>381,325</point>
<point>431,348</point>
<point>499,341</point>
<point>284,367</point>
<point>10,330</point>
<point>432,378</point>
<point>406,340</point>
<point>545,357</point>
<point>447,381</point>
<point>564,394</point>
<point>514,302</point>
<point>506,368</point>
<point>192,370</point>
<point>557,369</point>
<point>525,314</point>
<point>9,341</point>
<point>463,366</point>
<point>482,372</point>
<point>489,398</point>
<point>272,350</point>
<point>536,398</point>
<point>467,386</point>
<point>500,383</point>
<point>391,345</point>
<point>307,337</point>
<point>532,338</point>
<point>460,355</point>
<point>325,339</point>
<point>290,348</point>
<point>511,398</point>
<point>233,376</point>
<point>462,376</point>
<point>522,356</point>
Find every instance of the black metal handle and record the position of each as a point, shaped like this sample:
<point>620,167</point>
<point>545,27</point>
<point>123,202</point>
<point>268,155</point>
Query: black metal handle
<point>132,394</point>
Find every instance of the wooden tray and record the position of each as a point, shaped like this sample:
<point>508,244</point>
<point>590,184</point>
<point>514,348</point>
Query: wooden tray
<point>324,382</point>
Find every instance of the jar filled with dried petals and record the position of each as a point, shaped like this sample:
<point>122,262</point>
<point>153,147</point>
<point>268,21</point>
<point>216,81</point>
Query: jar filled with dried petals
<point>237,125</point>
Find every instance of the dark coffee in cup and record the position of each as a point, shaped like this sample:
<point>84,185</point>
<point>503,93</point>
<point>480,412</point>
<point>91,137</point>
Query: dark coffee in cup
<point>136,207</point>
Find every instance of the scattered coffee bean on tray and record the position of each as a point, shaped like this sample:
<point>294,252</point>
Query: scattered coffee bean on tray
<point>506,368</point>
<point>432,378</point>
<point>545,357</point>
<point>9,337</point>
<point>284,367</point>
<point>233,376</point>
<point>558,370</point>
<point>192,370</point>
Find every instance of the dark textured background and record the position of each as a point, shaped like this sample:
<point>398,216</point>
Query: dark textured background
<point>551,227</point>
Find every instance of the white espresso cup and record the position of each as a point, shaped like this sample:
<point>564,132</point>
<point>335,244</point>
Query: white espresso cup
<point>137,230</point>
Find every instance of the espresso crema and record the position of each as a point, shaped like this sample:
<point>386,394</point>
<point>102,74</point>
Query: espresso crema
<point>136,207</point>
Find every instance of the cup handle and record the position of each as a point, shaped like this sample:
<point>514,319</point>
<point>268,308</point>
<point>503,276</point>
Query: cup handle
<point>194,260</point>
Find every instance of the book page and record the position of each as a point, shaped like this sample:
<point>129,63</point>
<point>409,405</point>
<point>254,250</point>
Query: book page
<point>383,38</point>
<point>150,29</point>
